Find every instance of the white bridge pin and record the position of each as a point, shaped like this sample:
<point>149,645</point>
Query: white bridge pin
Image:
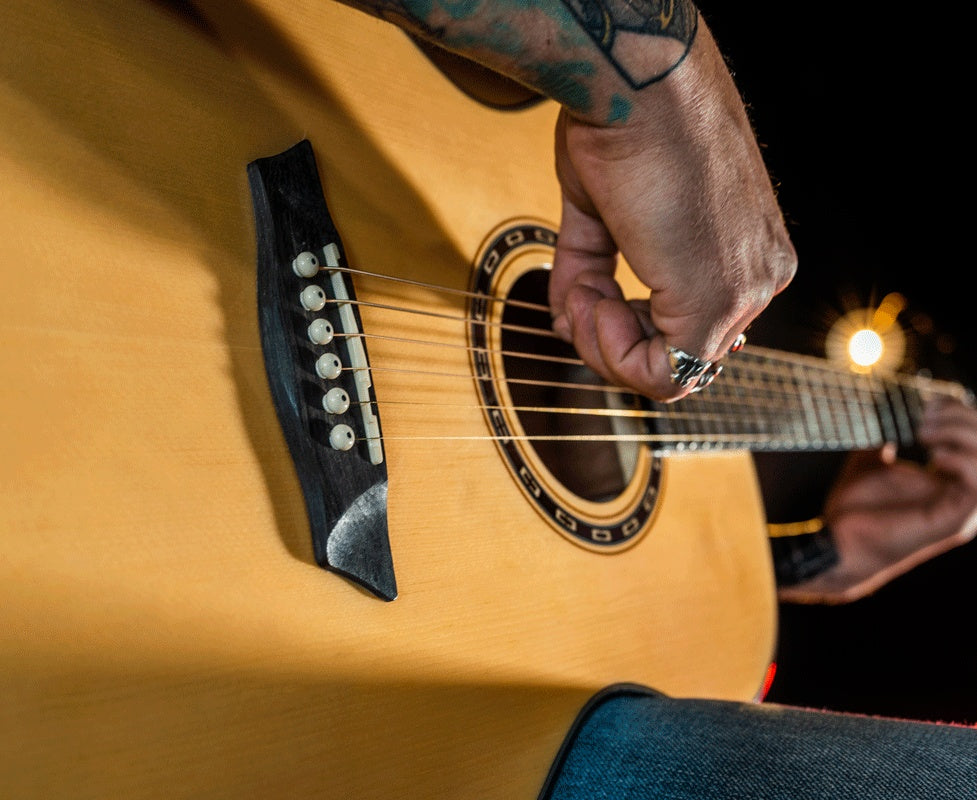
<point>321,331</point>
<point>305,265</point>
<point>342,437</point>
<point>328,366</point>
<point>313,298</point>
<point>336,401</point>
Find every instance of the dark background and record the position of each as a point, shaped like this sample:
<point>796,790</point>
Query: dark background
<point>862,116</point>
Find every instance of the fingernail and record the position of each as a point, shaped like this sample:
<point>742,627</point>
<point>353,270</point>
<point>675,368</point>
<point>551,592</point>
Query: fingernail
<point>562,327</point>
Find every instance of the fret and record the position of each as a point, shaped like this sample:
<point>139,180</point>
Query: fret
<point>694,422</point>
<point>681,415</point>
<point>905,436</point>
<point>746,403</point>
<point>723,404</point>
<point>709,427</point>
<point>663,426</point>
<point>679,426</point>
<point>816,436</point>
<point>798,432</point>
<point>914,405</point>
<point>906,415</point>
<point>836,405</point>
<point>868,403</point>
<point>870,414</point>
<point>883,409</point>
<point>771,401</point>
<point>858,403</point>
<point>772,407</point>
<point>788,425</point>
<point>843,418</point>
<point>757,409</point>
<point>763,403</point>
<point>736,401</point>
<point>825,411</point>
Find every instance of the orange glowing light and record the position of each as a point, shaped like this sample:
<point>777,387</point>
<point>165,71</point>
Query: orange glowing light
<point>868,339</point>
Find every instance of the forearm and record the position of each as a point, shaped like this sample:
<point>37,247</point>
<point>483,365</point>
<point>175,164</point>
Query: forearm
<point>657,163</point>
<point>597,59</point>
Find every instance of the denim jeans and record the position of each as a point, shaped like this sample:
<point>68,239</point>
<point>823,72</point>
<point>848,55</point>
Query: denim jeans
<point>630,742</point>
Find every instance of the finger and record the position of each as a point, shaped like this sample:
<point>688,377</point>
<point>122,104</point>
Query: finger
<point>881,487</point>
<point>580,317</point>
<point>955,465</point>
<point>616,340</point>
<point>950,426</point>
<point>637,355</point>
<point>633,357</point>
<point>859,464</point>
<point>583,246</point>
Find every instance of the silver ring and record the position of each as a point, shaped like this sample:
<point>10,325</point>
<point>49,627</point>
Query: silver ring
<point>687,369</point>
<point>707,377</point>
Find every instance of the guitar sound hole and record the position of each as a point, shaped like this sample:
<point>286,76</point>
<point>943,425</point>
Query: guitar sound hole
<point>597,469</point>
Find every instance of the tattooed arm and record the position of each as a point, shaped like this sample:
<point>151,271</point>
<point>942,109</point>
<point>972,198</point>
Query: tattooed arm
<point>657,161</point>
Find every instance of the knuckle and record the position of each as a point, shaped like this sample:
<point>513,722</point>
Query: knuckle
<point>784,266</point>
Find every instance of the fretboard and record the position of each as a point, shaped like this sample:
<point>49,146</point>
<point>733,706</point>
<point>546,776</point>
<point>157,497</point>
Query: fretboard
<point>769,400</point>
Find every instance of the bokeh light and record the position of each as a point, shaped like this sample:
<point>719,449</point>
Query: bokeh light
<point>869,339</point>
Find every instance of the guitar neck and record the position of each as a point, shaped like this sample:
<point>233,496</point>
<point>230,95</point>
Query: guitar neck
<point>768,400</point>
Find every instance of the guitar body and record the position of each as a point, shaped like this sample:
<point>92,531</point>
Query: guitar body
<point>164,629</point>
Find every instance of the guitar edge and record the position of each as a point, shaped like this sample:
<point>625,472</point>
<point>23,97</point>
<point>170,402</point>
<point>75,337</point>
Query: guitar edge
<point>164,630</point>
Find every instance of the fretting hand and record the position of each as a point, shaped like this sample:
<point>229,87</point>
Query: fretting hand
<point>888,516</point>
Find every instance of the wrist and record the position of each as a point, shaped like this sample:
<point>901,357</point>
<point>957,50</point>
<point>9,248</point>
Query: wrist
<point>802,551</point>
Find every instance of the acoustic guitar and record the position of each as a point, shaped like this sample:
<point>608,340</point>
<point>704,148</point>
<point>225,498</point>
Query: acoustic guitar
<point>216,581</point>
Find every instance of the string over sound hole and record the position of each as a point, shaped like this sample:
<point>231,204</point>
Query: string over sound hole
<point>596,468</point>
<point>576,447</point>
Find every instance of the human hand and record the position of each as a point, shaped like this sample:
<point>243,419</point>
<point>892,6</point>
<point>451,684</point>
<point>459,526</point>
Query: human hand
<point>681,191</point>
<point>888,516</point>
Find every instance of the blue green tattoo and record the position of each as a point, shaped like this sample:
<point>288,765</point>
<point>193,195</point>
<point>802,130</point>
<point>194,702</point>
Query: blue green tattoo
<point>620,109</point>
<point>611,25</point>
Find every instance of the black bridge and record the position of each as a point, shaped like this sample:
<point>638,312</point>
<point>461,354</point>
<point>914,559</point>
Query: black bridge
<point>318,370</point>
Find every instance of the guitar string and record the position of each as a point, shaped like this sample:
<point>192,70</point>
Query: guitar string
<point>811,362</point>
<point>768,366</point>
<point>784,428</point>
<point>434,287</point>
<point>615,413</point>
<point>828,426</point>
<point>714,395</point>
<point>830,432</point>
<point>468,348</point>
<point>745,375</point>
<point>838,376</point>
<point>841,378</point>
<point>543,332</point>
